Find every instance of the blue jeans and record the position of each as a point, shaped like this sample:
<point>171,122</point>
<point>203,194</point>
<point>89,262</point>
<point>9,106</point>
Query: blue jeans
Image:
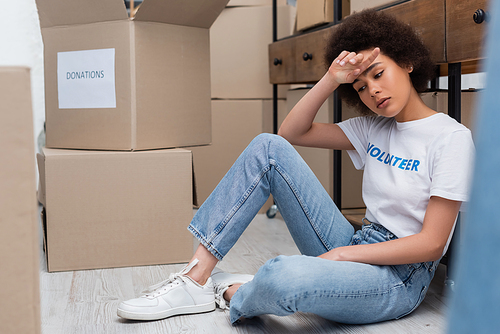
<point>346,292</point>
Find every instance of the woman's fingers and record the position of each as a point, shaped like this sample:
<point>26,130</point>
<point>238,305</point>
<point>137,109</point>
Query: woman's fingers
<point>357,64</point>
<point>344,57</point>
<point>347,58</point>
<point>375,52</point>
<point>354,58</point>
<point>357,59</point>
<point>341,56</point>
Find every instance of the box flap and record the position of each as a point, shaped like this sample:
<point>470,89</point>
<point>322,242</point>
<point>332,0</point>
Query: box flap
<point>193,13</point>
<point>68,12</point>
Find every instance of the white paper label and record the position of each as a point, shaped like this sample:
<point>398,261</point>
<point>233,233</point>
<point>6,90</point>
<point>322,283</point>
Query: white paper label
<point>86,79</point>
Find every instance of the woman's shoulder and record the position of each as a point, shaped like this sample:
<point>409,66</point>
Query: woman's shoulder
<point>447,132</point>
<point>448,122</point>
<point>438,124</point>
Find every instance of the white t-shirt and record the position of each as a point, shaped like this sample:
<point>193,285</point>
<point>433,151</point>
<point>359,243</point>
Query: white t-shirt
<point>407,163</point>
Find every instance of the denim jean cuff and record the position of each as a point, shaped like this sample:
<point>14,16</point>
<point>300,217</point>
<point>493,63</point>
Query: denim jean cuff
<point>205,243</point>
<point>234,316</point>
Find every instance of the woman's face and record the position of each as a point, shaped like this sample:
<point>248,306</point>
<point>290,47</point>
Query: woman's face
<point>384,87</point>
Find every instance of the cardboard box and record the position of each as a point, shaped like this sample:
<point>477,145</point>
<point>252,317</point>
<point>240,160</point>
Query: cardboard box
<point>312,13</point>
<point>116,209</point>
<point>19,237</point>
<point>359,5</point>
<point>321,160</point>
<point>239,53</point>
<point>235,123</point>
<point>114,83</point>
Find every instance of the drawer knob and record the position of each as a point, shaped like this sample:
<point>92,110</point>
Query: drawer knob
<point>277,62</point>
<point>479,16</point>
<point>307,56</point>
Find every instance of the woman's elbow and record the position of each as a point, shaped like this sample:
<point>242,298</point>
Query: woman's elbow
<point>436,252</point>
<point>285,134</point>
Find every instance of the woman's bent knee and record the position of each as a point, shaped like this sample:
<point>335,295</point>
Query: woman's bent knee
<point>267,138</point>
<point>270,143</point>
<point>278,275</point>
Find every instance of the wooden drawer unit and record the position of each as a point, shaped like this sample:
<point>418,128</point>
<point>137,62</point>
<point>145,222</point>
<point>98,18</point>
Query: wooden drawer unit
<point>309,56</point>
<point>452,29</point>
<point>298,59</point>
<point>465,29</point>
<point>282,61</point>
<point>428,17</point>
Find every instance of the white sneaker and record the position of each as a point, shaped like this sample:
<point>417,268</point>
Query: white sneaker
<point>179,294</point>
<point>222,282</point>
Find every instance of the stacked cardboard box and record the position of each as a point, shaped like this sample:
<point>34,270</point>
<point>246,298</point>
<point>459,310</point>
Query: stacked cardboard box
<point>114,83</point>
<point>241,92</point>
<point>113,209</point>
<point>127,93</point>
<point>19,237</point>
<point>239,41</point>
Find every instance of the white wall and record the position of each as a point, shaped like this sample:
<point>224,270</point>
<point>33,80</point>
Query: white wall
<point>21,45</point>
<point>473,80</point>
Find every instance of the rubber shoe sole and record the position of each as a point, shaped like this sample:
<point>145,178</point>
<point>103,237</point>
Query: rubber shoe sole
<point>192,309</point>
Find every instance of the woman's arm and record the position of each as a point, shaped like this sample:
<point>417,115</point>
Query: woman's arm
<point>298,127</point>
<point>428,245</point>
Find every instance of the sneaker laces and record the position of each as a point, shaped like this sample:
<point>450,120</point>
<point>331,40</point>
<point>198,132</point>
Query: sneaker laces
<point>150,291</point>
<point>219,295</point>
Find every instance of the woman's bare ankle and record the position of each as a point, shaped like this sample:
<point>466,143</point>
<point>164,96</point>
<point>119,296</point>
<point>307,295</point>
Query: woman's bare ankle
<point>199,276</point>
<point>203,269</point>
<point>229,293</point>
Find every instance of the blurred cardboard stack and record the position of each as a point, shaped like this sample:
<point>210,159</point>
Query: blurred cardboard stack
<point>122,95</point>
<point>241,92</point>
<point>19,238</point>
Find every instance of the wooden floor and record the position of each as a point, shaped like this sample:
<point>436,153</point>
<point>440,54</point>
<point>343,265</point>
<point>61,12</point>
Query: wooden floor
<point>86,301</point>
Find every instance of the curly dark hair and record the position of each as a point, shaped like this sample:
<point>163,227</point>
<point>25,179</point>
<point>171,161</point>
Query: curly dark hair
<point>368,29</point>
